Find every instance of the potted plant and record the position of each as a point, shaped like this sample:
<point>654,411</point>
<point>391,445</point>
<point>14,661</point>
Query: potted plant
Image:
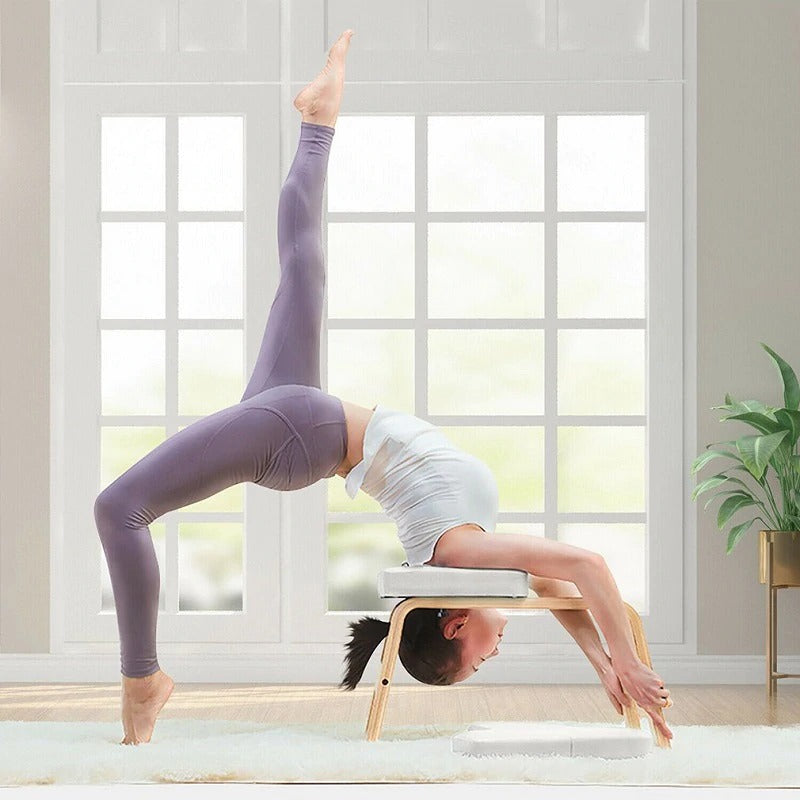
<point>773,446</point>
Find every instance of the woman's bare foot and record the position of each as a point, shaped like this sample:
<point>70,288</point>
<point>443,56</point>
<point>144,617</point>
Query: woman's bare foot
<point>319,101</point>
<point>142,699</point>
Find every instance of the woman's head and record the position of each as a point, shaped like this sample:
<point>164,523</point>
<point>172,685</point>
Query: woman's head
<point>436,647</point>
<point>479,631</point>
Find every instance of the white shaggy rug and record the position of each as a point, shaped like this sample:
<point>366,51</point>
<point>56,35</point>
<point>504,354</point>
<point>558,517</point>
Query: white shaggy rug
<point>207,751</point>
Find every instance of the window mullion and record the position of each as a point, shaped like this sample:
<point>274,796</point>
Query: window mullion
<point>169,581</point>
<point>550,331</point>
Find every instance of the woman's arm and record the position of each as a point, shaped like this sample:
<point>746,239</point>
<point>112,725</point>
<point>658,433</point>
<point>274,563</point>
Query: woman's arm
<point>547,558</point>
<point>577,622</point>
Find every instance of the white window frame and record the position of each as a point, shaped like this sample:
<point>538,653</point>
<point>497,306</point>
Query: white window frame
<point>289,543</point>
<point>85,625</point>
<point>661,103</point>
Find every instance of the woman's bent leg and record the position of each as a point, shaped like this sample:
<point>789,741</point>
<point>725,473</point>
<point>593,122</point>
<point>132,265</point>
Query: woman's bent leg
<point>289,351</point>
<point>231,446</point>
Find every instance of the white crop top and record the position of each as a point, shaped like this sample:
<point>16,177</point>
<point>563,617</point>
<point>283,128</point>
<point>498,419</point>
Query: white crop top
<point>423,482</point>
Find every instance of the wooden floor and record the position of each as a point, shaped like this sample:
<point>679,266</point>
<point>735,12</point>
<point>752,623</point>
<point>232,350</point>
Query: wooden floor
<point>408,705</point>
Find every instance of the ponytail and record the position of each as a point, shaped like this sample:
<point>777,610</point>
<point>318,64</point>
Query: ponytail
<point>366,634</point>
<point>424,652</point>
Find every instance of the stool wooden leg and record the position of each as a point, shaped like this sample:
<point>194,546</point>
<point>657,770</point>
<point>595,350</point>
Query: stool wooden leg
<point>380,695</point>
<point>643,652</point>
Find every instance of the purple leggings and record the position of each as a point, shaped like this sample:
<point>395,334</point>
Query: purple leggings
<point>284,434</point>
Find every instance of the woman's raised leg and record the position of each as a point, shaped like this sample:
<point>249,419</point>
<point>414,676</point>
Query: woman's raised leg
<point>289,351</point>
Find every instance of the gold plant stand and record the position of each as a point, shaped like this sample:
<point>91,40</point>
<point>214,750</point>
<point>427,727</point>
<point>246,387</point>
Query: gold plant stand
<point>779,568</point>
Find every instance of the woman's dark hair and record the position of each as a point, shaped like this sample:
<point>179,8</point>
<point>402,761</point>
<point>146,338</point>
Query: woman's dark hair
<point>424,651</point>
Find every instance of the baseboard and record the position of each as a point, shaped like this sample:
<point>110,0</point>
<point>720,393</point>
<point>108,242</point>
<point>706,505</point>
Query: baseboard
<point>327,668</point>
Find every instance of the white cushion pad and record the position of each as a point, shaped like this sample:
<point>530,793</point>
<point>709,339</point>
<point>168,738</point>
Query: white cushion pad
<point>429,581</point>
<point>551,738</point>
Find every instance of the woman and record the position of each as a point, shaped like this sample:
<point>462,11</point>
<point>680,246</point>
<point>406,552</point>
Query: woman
<point>286,434</point>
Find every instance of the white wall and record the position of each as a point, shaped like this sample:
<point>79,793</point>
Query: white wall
<point>24,325</point>
<point>748,272</point>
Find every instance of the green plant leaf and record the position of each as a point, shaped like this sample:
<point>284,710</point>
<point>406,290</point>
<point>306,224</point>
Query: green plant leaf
<point>730,441</point>
<point>747,489</point>
<point>709,483</point>
<point>731,506</point>
<point>789,419</point>
<point>759,421</point>
<point>721,494</point>
<point>756,451</point>
<point>704,458</point>
<point>743,406</point>
<point>791,388</point>
<point>736,533</point>
<point>796,462</point>
<point>742,468</point>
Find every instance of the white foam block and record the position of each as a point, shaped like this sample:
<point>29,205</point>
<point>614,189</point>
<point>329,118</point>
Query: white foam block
<point>551,738</point>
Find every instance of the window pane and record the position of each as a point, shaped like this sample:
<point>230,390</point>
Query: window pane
<point>121,446</point>
<point>369,367</point>
<point>601,468</point>
<point>457,27</point>
<point>622,545</point>
<point>601,269</point>
<point>127,27</point>
<point>210,163</point>
<point>339,500</point>
<point>601,162</point>
<point>210,259</point>
<point>515,455</point>
<point>371,270</point>
<point>486,163</point>
<point>212,25</point>
<point>132,270</point>
<point>132,372</point>
<point>486,269</point>
<point>210,571</point>
<point>614,26</point>
<point>158,534</point>
<point>485,372</point>
<point>371,167</point>
<point>529,528</point>
<point>210,369</point>
<point>601,372</point>
<point>356,554</point>
<point>132,164</point>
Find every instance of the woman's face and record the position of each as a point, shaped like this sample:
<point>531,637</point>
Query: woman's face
<point>479,630</point>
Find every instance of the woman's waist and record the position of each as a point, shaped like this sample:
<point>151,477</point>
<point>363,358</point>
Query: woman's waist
<point>316,420</point>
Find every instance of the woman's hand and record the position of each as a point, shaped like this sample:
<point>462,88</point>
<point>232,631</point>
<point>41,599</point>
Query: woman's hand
<point>641,683</point>
<point>647,689</point>
<point>612,686</point>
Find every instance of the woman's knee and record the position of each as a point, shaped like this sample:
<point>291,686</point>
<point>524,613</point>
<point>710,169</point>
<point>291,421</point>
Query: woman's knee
<point>105,510</point>
<point>113,509</point>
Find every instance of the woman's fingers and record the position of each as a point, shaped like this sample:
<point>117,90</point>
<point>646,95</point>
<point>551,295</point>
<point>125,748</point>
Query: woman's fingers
<point>659,722</point>
<point>616,694</point>
<point>614,701</point>
<point>643,685</point>
<point>653,710</point>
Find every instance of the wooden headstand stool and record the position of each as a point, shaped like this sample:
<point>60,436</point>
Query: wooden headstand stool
<point>461,587</point>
